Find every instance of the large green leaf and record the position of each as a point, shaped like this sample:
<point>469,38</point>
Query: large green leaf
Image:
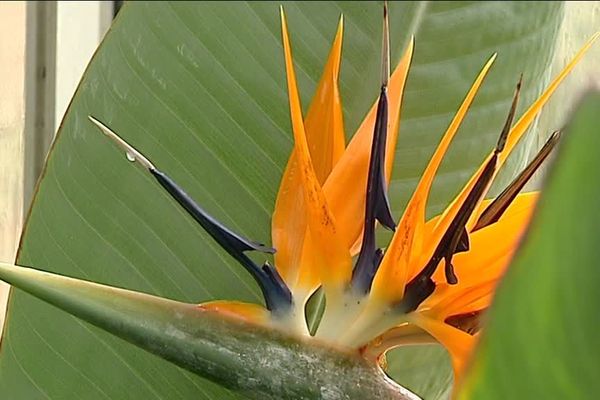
<point>200,89</point>
<point>542,341</point>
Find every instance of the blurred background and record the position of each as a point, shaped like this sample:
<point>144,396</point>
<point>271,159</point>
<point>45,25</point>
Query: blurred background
<point>45,47</point>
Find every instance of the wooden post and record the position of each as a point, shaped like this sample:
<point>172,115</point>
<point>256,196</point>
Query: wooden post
<point>44,49</point>
<point>13,33</point>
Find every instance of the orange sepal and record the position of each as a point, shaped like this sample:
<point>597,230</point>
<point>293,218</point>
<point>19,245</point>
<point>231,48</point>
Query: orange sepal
<point>324,131</point>
<point>459,344</point>
<point>523,124</point>
<point>395,265</point>
<point>334,262</point>
<point>247,312</point>
<point>346,186</point>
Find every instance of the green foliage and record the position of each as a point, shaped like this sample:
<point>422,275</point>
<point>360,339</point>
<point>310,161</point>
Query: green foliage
<point>542,341</point>
<point>200,89</point>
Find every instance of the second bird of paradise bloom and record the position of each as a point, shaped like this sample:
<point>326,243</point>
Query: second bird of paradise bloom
<point>435,279</point>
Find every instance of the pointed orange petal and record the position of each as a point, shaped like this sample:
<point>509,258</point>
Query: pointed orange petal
<point>513,137</point>
<point>325,137</point>
<point>435,229</point>
<point>458,343</point>
<point>247,312</point>
<point>402,335</point>
<point>346,186</point>
<point>332,258</point>
<point>480,268</point>
<point>324,123</point>
<point>492,247</point>
<point>449,300</point>
<point>525,121</point>
<point>523,124</point>
<point>394,265</point>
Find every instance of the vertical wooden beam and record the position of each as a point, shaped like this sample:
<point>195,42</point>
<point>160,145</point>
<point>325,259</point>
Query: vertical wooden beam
<point>13,17</point>
<point>44,49</point>
<point>40,90</point>
<point>80,26</point>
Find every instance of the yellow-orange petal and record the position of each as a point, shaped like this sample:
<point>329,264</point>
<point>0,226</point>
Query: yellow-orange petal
<point>459,344</point>
<point>433,231</point>
<point>324,122</point>
<point>528,117</point>
<point>451,211</point>
<point>346,186</point>
<point>404,334</point>
<point>523,124</point>
<point>324,131</point>
<point>481,267</point>
<point>247,312</point>
<point>449,300</point>
<point>333,259</point>
<point>492,247</point>
<point>394,267</point>
<point>514,136</point>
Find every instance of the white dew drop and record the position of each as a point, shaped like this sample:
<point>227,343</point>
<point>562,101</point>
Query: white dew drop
<point>131,153</point>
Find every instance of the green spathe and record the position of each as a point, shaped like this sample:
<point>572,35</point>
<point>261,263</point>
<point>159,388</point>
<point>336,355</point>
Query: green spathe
<point>261,363</point>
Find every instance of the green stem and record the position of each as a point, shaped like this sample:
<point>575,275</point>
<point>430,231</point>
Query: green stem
<point>260,363</point>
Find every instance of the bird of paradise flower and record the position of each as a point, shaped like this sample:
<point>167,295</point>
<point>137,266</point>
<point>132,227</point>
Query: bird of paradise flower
<point>434,281</point>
